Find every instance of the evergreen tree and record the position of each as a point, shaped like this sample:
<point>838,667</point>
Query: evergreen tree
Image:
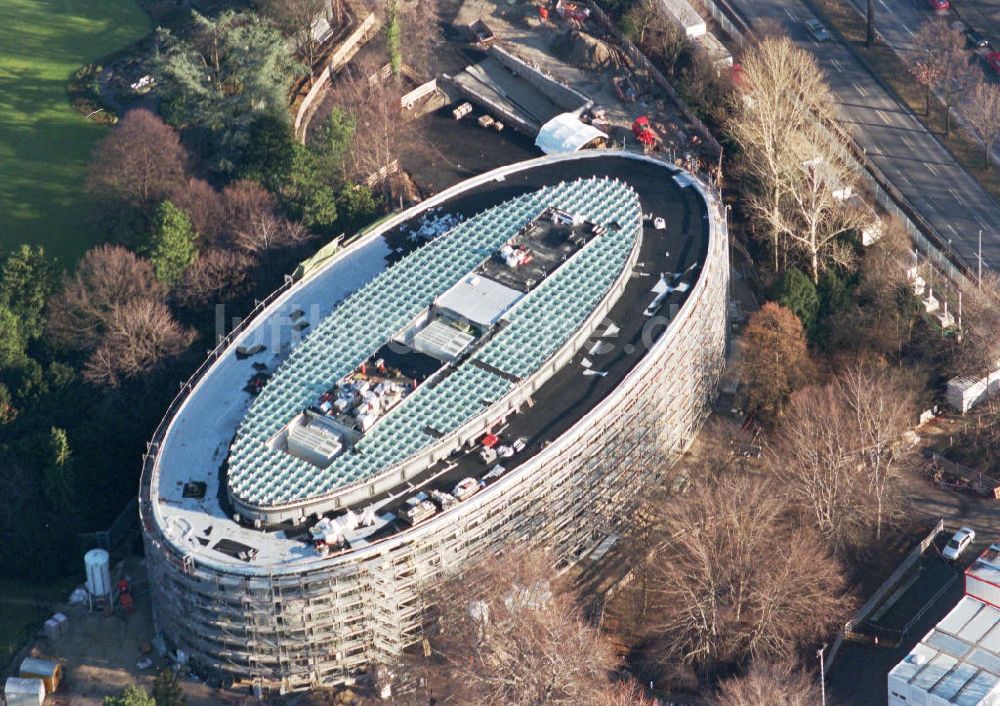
<point>357,206</point>
<point>306,196</point>
<point>392,37</point>
<point>270,153</point>
<point>26,281</point>
<point>167,690</point>
<point>12,341</point>
<point>58,476</point>
<point>131,695</point>
<point>172,243</point>
<point>228,71</point>
<point>834,294</point>
<point>331,143</point>
<point>797,292</point>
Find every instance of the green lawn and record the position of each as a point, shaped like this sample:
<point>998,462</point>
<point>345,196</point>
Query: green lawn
<point>44,143</point>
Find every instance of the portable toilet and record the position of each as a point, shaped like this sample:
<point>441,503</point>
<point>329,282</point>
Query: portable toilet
<point>49,671</point>
<point>19,691</point>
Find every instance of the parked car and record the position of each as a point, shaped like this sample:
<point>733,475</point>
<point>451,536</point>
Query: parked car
<point>993,60</point>
<point>957,544</point>
<point>817,30</point>
<point>940,5</point>
<point>975,39</point>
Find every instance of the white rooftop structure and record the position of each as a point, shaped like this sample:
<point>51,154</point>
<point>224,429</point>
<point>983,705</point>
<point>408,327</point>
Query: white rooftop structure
<point>479,299</point>
<point>565,133</point>
<point>957,662</point>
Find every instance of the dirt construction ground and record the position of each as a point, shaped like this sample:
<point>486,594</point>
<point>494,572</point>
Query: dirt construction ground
<point>99,654</point>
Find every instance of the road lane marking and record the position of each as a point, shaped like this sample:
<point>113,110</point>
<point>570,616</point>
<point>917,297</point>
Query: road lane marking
<point>932,169</point>
<point>908,30</point>
<point>984,224</point>
<point>836,64</point>
<point>957,196</point>
<point>885,118</point>
<point>791,15</point>
<point>906,141</point>
<point>884,6</point>
<point>859,89</point>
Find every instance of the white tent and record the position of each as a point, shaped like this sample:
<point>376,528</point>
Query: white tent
<point>565,133</point>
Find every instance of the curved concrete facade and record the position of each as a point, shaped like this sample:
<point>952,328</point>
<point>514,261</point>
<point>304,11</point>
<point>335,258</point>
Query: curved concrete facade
<point>319,621</point>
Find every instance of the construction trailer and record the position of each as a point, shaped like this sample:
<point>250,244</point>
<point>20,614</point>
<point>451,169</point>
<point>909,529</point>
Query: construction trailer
<point>686,16</point>
<point>712,50</point>
<point>965,392</point>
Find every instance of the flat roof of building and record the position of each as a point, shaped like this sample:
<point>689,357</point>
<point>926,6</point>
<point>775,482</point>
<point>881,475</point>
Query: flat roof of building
<point>958,660</point>
<point>198,439</point>
<point>262,475</point>
<point>479,299</point>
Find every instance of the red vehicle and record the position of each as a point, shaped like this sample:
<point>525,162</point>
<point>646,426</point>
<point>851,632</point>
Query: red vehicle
<point>940,5</point>
<point>572,11</point>
<point>643,132</point>
<point>993,59</point>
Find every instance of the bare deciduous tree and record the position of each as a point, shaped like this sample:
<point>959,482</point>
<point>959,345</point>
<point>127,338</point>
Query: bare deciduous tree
<point>770,684</point>
<point>379,127</point>
<point>927,73</point>
<point>775,358</point>
<point>839,450</point>
<point>882,405</point>
<point>782,93</point>
<point>140,334</point>
<point>946,61</point>
<point>814,213</point>
<point>628,693</point>
<point>107,278</point>
<point>657,34</point>
<point>216,275</point>
<point>136,166</point>
<point>253,223</point>
<point>204,206</point>
<point>978,350</point>
<point>509,632</point>
<point>734,575</point>
<point>295,19</point>
<point>982,108</point>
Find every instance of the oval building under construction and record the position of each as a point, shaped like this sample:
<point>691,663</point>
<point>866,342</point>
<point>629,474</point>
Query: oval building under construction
<point>509,363</point>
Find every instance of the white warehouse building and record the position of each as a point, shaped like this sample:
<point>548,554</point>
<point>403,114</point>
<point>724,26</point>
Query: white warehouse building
<point>958,662</point>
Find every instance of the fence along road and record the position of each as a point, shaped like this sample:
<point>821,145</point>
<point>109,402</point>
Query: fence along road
<point>941,192</point>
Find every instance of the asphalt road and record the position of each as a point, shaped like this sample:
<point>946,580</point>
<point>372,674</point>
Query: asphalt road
<point>898,20</point>
<point>924,171</point>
